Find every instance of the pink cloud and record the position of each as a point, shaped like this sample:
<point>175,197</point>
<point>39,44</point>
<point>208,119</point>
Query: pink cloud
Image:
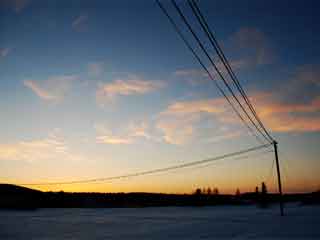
<point>51,89</point>
<point>127,135</point>
<point>289,117</point>
<point>125,87</point>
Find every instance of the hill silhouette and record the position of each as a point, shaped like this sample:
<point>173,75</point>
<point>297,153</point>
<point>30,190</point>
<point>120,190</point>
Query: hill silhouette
<point>17,197</point>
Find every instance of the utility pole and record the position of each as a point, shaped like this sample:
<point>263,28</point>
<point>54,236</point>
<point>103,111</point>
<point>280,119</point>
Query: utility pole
<point>275,145</point>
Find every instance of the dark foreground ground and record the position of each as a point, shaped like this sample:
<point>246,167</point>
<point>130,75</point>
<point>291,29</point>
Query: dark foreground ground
<point>211,222</point>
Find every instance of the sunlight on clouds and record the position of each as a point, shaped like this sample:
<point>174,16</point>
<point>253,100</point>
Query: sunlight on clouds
<point>199,76</point>
<point>50,148</point>
<point>111,139</point>
<point>286,110</point>
<point>52,89</point>
<point>225,135</point>
<point>176,131</point>
<point>289,117</point>
<point>42,93</point>
<point>125,87</point>
<point>139,130</point>
<point>127,135</point>
<point>253,39</point>
<point>283,110</point>
<point>196,106</point>
<point>181,122</point>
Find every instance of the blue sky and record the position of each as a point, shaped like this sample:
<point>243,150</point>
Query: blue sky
<point>101,88</point>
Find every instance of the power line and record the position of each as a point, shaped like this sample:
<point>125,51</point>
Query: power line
<point>201,19</point>
<point>237,158</point>
<point>175,26</point>
<point>189,164</point>
<point>215,44</point>
<point>268,138</point>
<point>215,67</point>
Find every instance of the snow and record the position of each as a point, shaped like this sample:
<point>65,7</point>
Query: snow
<point>227,222</point>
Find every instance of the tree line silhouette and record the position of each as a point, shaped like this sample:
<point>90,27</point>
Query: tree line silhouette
<point>17,197</point>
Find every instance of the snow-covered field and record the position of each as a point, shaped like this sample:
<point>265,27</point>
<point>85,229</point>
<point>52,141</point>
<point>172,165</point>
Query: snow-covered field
<point>228,222</point>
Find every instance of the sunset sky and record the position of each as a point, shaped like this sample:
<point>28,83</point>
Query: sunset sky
<point>93,89</point>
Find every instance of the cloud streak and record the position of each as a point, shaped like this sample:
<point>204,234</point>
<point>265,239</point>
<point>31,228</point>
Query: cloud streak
<point>289,117</point>
<point>197,76</point>
<point>125,87</point>
<point>288,109</point>
<point>251,48</point>
<point>128,135</point>
<point>52,89</point>
<point>176,130</point>
<point>183,121</point>
<point>51,148</point>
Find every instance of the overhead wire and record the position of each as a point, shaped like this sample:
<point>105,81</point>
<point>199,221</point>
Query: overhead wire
<point>176,28</point>
<point>201,19</point>
<point>216,68</point>
<point>148,172</point>
<point>237,158</point>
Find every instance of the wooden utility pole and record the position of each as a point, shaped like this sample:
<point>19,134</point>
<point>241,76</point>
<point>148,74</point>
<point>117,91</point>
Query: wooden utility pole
<point>275,145</point>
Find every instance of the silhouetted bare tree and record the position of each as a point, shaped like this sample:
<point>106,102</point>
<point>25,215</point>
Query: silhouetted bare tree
<point>264,198</point>
<point>238,192</point>
<point>264,189</point>
<point>198,191</point>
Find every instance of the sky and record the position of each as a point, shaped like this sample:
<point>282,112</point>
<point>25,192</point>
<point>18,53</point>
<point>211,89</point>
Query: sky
<point>94,89</point>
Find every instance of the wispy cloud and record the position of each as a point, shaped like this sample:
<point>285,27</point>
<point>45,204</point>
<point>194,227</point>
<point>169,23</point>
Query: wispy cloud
<point>51,148</point>
<point>183,121</point>
<point>198,76</point>
<point>126,135</point>
<point>95,69</point>
<point>111,139</point>
<point>305,79</point>
<point>288,117</point>
<point>178,122</point>
<point>125,87</point>
<point>41,92</point>
<point>80,23</point>
<point>196,106</point>
<point>295,105</point>
<point>251,48</point>
<point>254,43</point>
<point>51,89</point>
<point>176,130</point>
<point>4,52</point>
